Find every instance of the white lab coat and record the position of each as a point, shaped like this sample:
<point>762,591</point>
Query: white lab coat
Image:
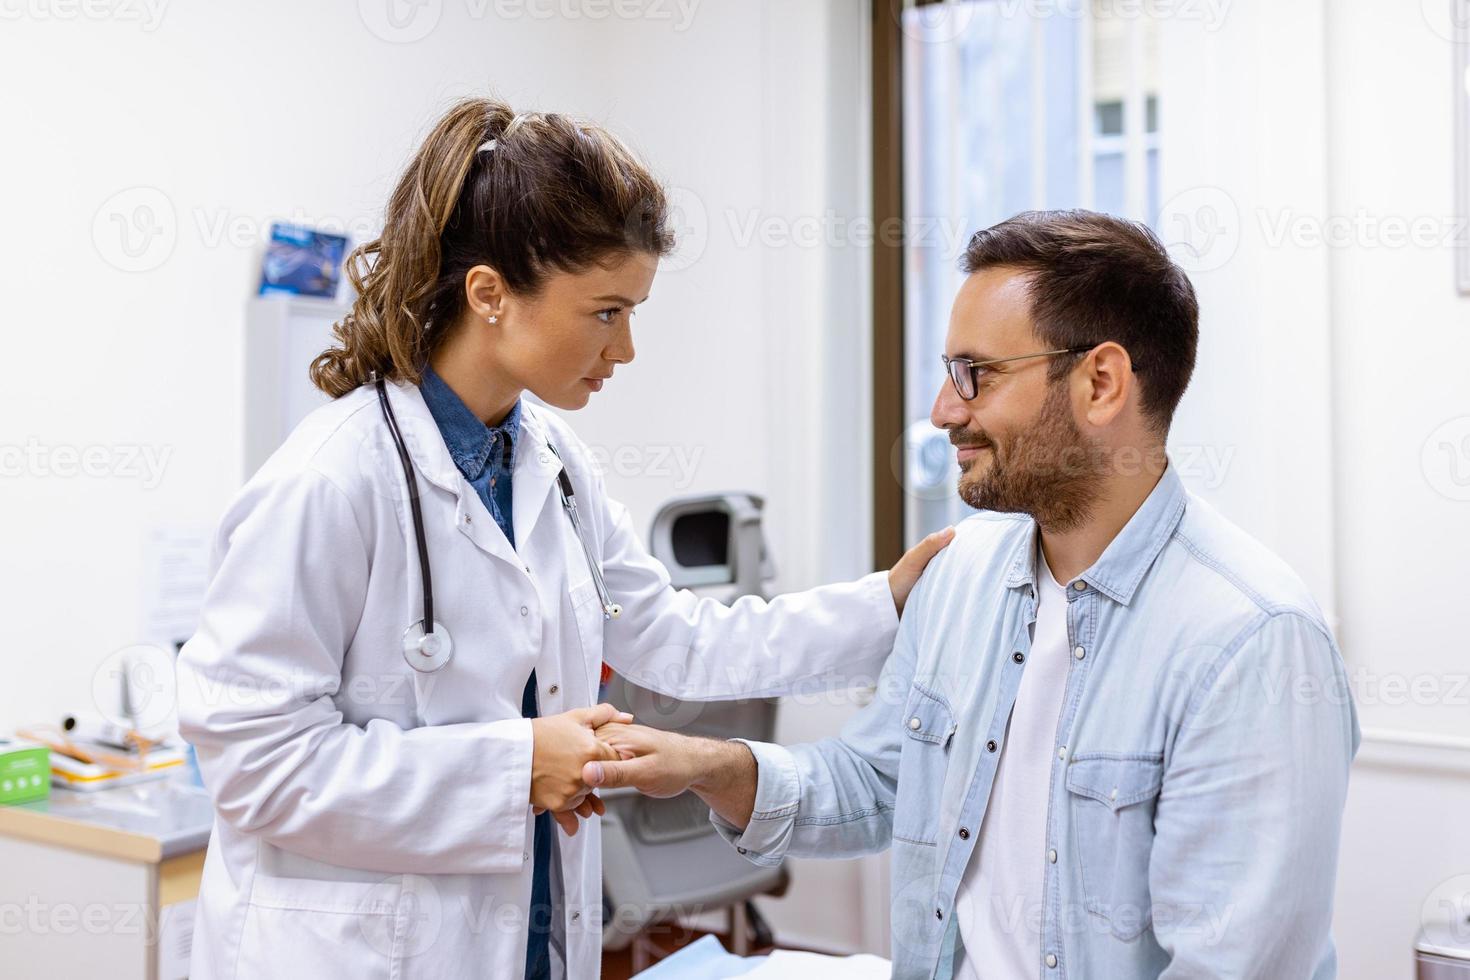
<point>372,821</point>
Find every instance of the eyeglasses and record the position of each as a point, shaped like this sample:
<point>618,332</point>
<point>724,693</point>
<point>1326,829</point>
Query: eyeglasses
<point>965,373</point>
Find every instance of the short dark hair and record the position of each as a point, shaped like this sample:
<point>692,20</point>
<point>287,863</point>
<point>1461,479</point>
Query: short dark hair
<point>1094,278</point>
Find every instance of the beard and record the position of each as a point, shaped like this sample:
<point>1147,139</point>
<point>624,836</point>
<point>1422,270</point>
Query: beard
<point>1049,470</point>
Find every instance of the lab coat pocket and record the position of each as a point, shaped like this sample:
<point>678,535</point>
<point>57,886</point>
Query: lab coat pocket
<point>928,727</point>
<point>587,612</point>
<point>306,927</point>
<point>1113,796</point>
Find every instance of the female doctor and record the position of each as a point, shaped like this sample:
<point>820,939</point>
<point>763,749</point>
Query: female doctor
<point>393,687</point>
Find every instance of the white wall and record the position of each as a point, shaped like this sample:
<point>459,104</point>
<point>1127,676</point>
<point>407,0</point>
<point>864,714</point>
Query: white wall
<point>1401,338</point>
<point>1332,366</point>
<point>230,117</point>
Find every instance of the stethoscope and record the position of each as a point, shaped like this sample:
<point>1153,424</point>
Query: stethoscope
<point>427,650</point>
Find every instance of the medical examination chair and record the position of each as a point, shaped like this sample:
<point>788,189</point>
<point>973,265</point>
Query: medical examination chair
<point>661,858</point>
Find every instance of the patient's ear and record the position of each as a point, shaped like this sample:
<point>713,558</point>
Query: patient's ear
<point>1106,375</point>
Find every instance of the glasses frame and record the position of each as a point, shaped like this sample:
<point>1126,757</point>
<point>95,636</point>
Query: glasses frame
<point>953,365</point>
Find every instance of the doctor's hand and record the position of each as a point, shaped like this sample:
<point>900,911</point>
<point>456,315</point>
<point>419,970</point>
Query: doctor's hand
<point>905,573</point>
<point>560,746</point>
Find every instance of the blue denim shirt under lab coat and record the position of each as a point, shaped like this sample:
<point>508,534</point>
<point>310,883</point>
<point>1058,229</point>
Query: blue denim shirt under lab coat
<point>1200,769</point>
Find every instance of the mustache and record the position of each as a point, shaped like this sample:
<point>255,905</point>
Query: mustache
<point>964,439</point>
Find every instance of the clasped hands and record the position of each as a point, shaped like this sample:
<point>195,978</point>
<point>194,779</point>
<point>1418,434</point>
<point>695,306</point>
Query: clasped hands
<point>578,751</point>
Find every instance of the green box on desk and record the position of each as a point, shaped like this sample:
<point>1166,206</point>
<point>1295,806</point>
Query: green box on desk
<point>25,772</point>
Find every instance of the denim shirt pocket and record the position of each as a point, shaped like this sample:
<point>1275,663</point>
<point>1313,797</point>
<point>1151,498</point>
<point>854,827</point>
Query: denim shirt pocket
<point>1112,798</point>
<point>927,725</point>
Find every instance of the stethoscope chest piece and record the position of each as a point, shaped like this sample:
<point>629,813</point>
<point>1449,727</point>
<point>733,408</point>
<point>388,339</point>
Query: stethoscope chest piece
<point>426,653</point>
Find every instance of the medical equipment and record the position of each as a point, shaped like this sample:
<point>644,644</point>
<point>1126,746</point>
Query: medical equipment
<point>427,649</point>
<point>25,772</point>
<point>662,857</point>
<point>1442,950</point>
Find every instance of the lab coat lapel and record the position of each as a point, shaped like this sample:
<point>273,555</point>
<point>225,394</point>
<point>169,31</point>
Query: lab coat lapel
<point>536,468</point>
<point>433,463</point>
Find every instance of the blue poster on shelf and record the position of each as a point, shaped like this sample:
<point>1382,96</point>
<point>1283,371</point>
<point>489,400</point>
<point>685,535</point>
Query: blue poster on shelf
<point>301,261</point>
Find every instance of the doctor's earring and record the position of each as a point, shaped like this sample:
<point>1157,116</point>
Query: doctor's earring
<point>492,319</point>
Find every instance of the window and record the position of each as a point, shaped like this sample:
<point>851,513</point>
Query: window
<point>1007,107</point>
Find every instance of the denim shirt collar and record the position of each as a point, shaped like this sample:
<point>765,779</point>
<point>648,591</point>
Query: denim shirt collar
<point>1117,573</point>
<point>470,441</point>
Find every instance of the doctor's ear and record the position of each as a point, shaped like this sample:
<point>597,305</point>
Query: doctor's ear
<point>485,293</point>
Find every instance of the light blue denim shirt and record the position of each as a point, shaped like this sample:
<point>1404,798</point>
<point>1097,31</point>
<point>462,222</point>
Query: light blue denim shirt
<point>1201,762</point>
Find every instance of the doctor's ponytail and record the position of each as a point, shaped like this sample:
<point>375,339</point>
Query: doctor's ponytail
<point>526,194</point>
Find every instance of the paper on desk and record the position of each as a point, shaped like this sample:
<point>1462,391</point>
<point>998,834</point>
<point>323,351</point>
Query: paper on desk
<point>707,959</point>
<point>787,965</point>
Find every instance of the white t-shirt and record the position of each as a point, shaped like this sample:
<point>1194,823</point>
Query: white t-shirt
<point>998,904</point>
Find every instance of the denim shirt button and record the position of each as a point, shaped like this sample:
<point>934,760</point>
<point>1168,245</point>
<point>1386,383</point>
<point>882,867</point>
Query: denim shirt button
<point>990,746</point>
<point>1051,959</point>
<point>1051,855</point>
<point>915,724</point>
<point>1018,657</point>
<point>964,833</point>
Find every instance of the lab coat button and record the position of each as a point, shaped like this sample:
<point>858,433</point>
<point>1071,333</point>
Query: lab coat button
<point>1051,960</point>
<point>525,611</point>
<point>915,724</point>
<point>467,518</point>
<point>741,850</point>
<point>553,689</point>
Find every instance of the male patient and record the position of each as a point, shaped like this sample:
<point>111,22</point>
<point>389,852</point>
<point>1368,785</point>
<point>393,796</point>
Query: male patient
<point>1113,739</point>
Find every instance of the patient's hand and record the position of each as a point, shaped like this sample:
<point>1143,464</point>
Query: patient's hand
<point>655,762</point>
<point>905,573</point>
<point>663,764</point>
